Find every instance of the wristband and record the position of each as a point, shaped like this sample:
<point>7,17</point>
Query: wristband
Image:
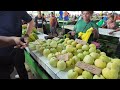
<point>22,39</point>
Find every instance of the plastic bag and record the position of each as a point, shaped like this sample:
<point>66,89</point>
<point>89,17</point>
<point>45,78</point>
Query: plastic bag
<point>100,23</point>
<point>86,36</point>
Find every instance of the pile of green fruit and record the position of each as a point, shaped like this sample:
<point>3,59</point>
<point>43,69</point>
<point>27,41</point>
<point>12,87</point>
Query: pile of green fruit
<point>33,36</point>
<point>77,52</point>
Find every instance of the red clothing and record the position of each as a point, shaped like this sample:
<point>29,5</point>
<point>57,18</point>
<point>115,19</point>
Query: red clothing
<point>111,25</point>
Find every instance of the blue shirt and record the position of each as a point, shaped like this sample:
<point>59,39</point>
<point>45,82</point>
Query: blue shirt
<point>11,25</point>
<point>105,19</point>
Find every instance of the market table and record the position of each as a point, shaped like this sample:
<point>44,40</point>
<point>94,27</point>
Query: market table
<point>44,63</point>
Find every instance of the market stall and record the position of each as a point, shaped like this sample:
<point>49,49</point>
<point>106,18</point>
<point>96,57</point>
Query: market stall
<point>51,69</point>
<point>65,58</point>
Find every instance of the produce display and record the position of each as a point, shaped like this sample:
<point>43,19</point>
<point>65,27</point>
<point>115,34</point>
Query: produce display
<point>66,53</point>
<point>33,36</point>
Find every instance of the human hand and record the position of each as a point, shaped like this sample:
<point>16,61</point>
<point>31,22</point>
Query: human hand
<point>19,43</point>
<point>95,31</point>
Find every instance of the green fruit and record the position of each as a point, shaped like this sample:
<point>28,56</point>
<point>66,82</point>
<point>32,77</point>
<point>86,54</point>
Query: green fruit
<point>72,61</point>
<point>100,63</point>
<point>98,77</point>
<point>92,45</point>
<point>86,53</point>
<point>32,37</point>
<point>79,46</point>
<point>69,48</point>
<point>46,52</point>
<point>81,56</point>
<point>76,59</point>
<point>80,77</point>
<point>98,51</point>
<point>110,73</point>
<point>50,56</point>
<point>87,75</point>
<point>61,65</point>
<point>85,47</point>
<point>92,49</point>
<point>79,51</point>
<point>53,62</point>
<point>94,55</point>
<point>53,44</point>
<point>68,63</point>
<point>105,58</point>
<point>53,50</point>
<point>88,59</point>
<point>59,48</point>
<point>74,43</point>
<point>78,70</point>
<point>70,55</point>
<point>72,74</point>
<point>35,36</point>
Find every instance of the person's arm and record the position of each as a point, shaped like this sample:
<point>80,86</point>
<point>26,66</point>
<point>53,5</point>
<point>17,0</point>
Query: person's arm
<point>55,20</point>
<point>30,24</point>
<point>95,32</point>
<point>74,31</point>
<point>27,18</point>
<point>118,29</point>
<point>8,41</point>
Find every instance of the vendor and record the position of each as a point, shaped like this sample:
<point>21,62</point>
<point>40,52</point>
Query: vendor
<point>84,24</point>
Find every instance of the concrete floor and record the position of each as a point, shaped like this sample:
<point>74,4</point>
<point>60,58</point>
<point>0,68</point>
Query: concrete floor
<point>15,75</point>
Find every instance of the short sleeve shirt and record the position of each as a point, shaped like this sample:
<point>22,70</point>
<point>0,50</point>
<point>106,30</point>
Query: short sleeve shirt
<point>11,25</point>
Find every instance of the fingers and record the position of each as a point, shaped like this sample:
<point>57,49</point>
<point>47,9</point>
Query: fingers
<point>21,45</point>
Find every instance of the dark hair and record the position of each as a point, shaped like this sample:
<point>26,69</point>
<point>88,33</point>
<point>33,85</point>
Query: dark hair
<point>43,14</point>
<point>91,12</point>
<point>52,13</point>
<point>112,16</point>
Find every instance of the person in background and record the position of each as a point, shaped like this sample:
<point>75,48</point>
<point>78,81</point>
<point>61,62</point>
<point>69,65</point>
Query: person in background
<point>60,15</point>
<point>11,25</point>
<point>84,24</point>
<point>115,16</point>
<point>39,22</point>
<point>102,23</point>
<point>9,41</point>
<point>66,16</point>
<point>53,24</point>
<point>110,24</point>
<point>105,18</point>
<point>44,23</point>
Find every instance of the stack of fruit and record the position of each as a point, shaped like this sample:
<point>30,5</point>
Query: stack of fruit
<point>33,36</point>
<point>76,52</point>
